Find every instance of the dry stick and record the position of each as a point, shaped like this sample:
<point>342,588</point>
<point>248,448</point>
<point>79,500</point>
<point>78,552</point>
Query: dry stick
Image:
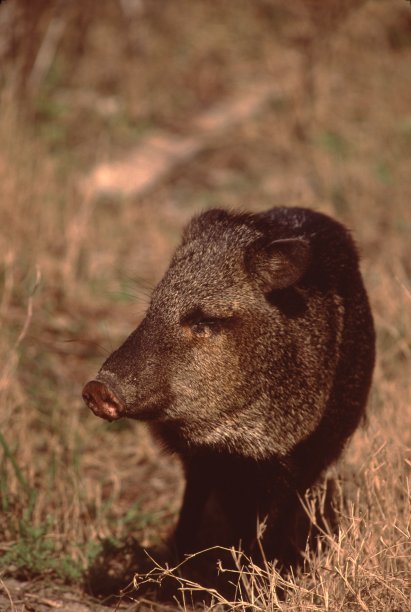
<point>29,314</point>
<point>158,156</point>
<point>6,590</point>
<point>48,49</point>
<point>75,238</point>
<point>403,287</point>
<point>50,603</point>
<point>8,282</point>
<point>161,153</point>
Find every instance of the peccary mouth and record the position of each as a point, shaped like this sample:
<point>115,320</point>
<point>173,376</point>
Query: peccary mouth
<point>152,411</point>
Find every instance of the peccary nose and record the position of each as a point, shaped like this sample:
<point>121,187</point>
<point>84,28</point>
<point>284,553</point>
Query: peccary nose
<point>103,401</point>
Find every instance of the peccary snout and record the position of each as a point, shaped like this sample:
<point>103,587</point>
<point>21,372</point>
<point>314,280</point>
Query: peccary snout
<point>103,401</point>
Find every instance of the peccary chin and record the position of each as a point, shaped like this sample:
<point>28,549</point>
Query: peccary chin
<point>241,290</point>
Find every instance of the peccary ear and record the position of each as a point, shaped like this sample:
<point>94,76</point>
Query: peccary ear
<point>278,264</point>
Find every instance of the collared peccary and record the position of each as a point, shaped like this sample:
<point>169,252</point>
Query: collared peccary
<point>253,364</point>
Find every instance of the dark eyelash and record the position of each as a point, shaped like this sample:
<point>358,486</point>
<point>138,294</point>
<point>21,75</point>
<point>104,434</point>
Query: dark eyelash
<point>203,322</point>
<point>207,322</point>
<point>206,326</point>
<point>198,318</point>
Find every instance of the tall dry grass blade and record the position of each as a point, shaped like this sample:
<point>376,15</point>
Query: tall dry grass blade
<point>12,362</point>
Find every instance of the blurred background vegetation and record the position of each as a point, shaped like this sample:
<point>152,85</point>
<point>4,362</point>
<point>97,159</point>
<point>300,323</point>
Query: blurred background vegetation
<point>84,84</point>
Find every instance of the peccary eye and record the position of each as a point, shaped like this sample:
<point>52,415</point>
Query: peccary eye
<point>202,325</point>
<point>204,328</point>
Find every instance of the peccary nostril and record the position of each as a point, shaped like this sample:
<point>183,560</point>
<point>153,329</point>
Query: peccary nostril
<point>102,400</point>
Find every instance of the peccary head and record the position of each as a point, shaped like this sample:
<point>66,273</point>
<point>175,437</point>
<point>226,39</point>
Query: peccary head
<point>239,347</point>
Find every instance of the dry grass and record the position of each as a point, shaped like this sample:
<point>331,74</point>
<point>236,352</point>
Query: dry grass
<point>75,276</point>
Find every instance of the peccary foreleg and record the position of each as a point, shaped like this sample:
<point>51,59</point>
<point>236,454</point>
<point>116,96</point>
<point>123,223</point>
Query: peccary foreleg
<point>196,494</point>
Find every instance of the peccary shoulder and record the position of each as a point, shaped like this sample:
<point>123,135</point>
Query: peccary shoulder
<point>253,364</point>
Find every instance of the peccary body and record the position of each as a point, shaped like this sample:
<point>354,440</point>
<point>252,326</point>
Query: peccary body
<point>253,364</point>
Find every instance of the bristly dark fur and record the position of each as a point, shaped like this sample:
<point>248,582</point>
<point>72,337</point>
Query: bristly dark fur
<point>253,364</point>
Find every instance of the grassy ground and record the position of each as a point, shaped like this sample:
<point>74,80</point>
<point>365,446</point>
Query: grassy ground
<point>75,279</point>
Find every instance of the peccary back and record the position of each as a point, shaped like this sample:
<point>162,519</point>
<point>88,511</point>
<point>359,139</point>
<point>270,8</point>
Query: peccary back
<point>253,364</point>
